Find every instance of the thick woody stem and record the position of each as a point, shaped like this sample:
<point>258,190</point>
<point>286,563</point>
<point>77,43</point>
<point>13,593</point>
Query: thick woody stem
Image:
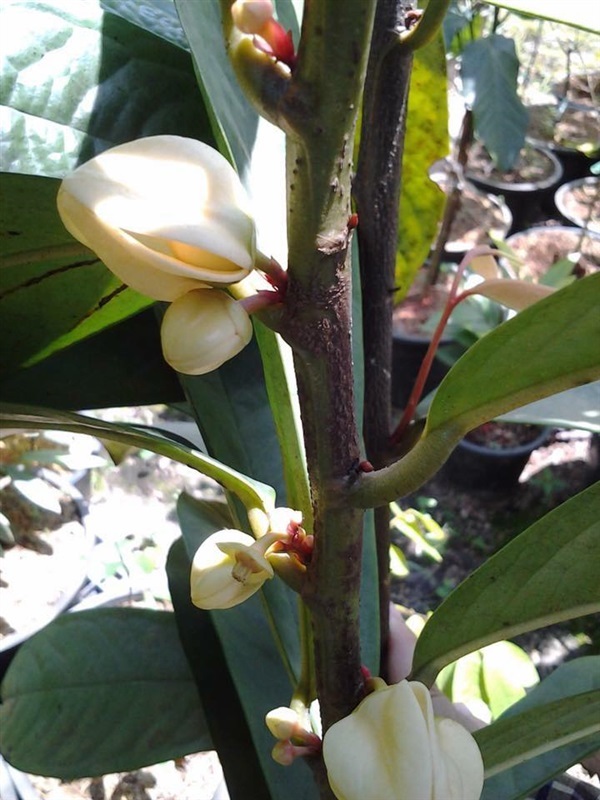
<point>377,191</point>
<point>320,111</point>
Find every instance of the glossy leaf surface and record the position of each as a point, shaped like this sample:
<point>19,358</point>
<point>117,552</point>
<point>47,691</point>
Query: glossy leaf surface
<point>572,679</point>
<point>509,594</point>
<point>101,691</point>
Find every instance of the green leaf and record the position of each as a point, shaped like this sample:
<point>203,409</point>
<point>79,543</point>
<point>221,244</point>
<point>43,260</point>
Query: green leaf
<point>252,493</point>
<point>108,374</point>
<point>77,80</point>
<point>280,383</point>
<point>235,420</point>
<point>547,348</point>
<point>495,676</point>
<point>155,16</point>
<point>100,691</point>
<point>53,291</point>
<point>421,200</point>
<point>489,73</point>
<point>575,13</point>
<point>254,658</point>
<point>546,574</point>
<point>571,679</point>
<point>507,671</point>
<point>575,408</point>
<point>512,741</point>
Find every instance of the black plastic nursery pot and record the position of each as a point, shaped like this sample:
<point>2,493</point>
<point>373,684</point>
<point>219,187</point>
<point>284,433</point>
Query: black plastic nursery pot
<point>528,200</point>
<point>578,202</point>
<point>477,466</point>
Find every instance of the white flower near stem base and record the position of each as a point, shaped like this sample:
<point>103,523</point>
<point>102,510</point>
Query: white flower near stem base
<point>165,214</point>
<point>203,329</point>
<point>229,567</point>
<point>393,748</point>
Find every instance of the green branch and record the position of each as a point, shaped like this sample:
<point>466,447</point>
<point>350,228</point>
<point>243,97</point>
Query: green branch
<point>427,27</point>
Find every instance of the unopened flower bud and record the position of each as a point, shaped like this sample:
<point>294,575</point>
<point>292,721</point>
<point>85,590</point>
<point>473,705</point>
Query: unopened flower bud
<point>283,722</point>
<point>202,330</point>
<point>250,16</point>
<point>165,214</point>
<point>393,746</point>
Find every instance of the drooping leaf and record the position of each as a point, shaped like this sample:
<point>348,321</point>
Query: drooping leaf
<point>100,691</point>
<point>547,348</point>
<point>421,200</point>
<point>489,73</point>
<point>576,13</point>
<point>546,574</point>
<point>256,664</point>
<point>251,492</point>
<point>572,679</point>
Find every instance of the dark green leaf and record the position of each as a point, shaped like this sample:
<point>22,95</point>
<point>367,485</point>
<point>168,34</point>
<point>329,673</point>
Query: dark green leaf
<point>549,573</point>
<point>155,16</point>
<point>100,691</point>
<point>569,680</point>
<point>235,420</point>
<point>121,366</point>
<point>489,73</point>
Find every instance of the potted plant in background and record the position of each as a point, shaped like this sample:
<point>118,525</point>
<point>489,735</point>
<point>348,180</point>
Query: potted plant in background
<point>578,202</point>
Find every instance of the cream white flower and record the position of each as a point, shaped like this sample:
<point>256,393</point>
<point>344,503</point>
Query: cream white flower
<point>203,329</point>
<point>229,567</point>
<point>165,214</point>
<point>393,748</point>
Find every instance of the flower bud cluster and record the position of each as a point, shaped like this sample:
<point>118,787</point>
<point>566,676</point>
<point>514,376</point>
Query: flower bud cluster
<point>231,566</point>
<point>255,17</point>
<point>170,218</point>
<point>295,740</point>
